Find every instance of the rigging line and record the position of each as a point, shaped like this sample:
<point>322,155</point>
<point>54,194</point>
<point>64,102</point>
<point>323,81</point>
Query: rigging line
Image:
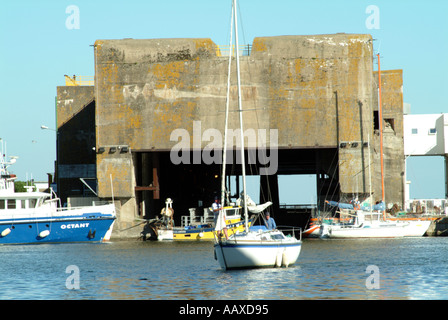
<point>241,22</point>
<point>350,134</point>
<point>240,107</point>
<point>332,164</point>
<point>253,168</point>
<point>229,33</point>
<point>335,166</point>
<point>224,152</point>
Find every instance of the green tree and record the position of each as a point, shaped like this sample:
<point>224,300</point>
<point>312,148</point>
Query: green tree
<point>19,186</point>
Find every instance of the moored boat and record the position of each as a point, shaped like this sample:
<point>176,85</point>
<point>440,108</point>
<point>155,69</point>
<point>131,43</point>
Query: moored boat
<point>414,228</point>
<point>251,248</point>
<point>163,228</point>
<point>260,248</point>
<point>362,222</point>
<point>312,232</point>
<point>364,225</point>
<point>34,217</point>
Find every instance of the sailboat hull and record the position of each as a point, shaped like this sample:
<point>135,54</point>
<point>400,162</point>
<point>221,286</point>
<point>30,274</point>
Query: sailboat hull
<point>336,231</point>
<point>415,228</point>
<point>243,254</point>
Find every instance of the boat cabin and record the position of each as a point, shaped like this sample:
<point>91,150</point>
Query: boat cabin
<point>25,200</point>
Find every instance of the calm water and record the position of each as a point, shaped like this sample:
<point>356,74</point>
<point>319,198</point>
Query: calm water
<point>414,268</point>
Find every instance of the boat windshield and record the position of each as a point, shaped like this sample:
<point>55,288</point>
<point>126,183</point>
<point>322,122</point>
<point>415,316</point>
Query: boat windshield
<point>277,236</point>
<point>232,211</point>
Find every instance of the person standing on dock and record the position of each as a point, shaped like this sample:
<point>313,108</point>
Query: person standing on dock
<point>220,219</point>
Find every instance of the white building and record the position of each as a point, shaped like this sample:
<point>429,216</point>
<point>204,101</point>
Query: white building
<point>426,135</point>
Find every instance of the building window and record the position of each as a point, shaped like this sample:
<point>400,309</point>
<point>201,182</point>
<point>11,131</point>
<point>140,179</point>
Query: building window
<point>414,131</point>
<point>376,123</point>
<point>432,131</point>
<point>390,123</point>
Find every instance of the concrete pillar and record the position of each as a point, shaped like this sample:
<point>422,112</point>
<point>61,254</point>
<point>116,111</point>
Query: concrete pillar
<point>269,191</point>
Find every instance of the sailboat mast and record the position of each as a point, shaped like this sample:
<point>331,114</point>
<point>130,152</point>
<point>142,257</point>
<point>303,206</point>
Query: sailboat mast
<point>380,120</point>
<point>370,175</point>
<point>224,149</point>
<point>240,110</point>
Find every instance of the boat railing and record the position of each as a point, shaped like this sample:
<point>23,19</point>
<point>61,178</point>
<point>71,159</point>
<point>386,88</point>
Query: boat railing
<point>208,216</point>
<point>94,204</point>
<point>295,232</point>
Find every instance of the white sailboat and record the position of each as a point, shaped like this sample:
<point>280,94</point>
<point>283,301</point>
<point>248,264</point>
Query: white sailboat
<point>364,225</point>
<point>377,225</point>
<point>252,248</point>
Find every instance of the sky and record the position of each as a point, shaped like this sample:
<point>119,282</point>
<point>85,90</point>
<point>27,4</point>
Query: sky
<point>41,41</point>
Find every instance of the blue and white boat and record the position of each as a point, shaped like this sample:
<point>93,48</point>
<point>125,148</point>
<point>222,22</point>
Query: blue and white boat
<point>260,248</point>
<point>34,217</point>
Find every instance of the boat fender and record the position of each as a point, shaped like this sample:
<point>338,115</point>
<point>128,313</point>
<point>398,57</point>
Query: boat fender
<point>6,232</point>
<point>44,233</point>
<point>285,260</point>
<point>200,235</point>
<point>278,260</point>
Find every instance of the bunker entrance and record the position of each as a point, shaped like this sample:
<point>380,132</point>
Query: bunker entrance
<point>195,185</point>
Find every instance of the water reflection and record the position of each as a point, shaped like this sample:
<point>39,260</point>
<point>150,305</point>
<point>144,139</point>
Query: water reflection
<point>332,269</point>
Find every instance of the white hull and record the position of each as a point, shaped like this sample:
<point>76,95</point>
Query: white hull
<point>391,230</point>
<point>109,232</point>
<point>415,228</point>
<point>165,234</point>
<point>368,231</point>
<point>250,251</point>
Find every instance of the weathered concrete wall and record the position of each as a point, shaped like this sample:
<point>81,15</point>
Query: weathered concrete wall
<point>319,96</point>
<point>71,100</point>
<point>393,144</point>
<point>302,74</point>
<point>316,90</point>
<point>144,90</point>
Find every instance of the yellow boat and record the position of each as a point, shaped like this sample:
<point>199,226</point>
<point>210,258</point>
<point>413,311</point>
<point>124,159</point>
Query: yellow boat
<point>234,223</point>
<point>206,231</point>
